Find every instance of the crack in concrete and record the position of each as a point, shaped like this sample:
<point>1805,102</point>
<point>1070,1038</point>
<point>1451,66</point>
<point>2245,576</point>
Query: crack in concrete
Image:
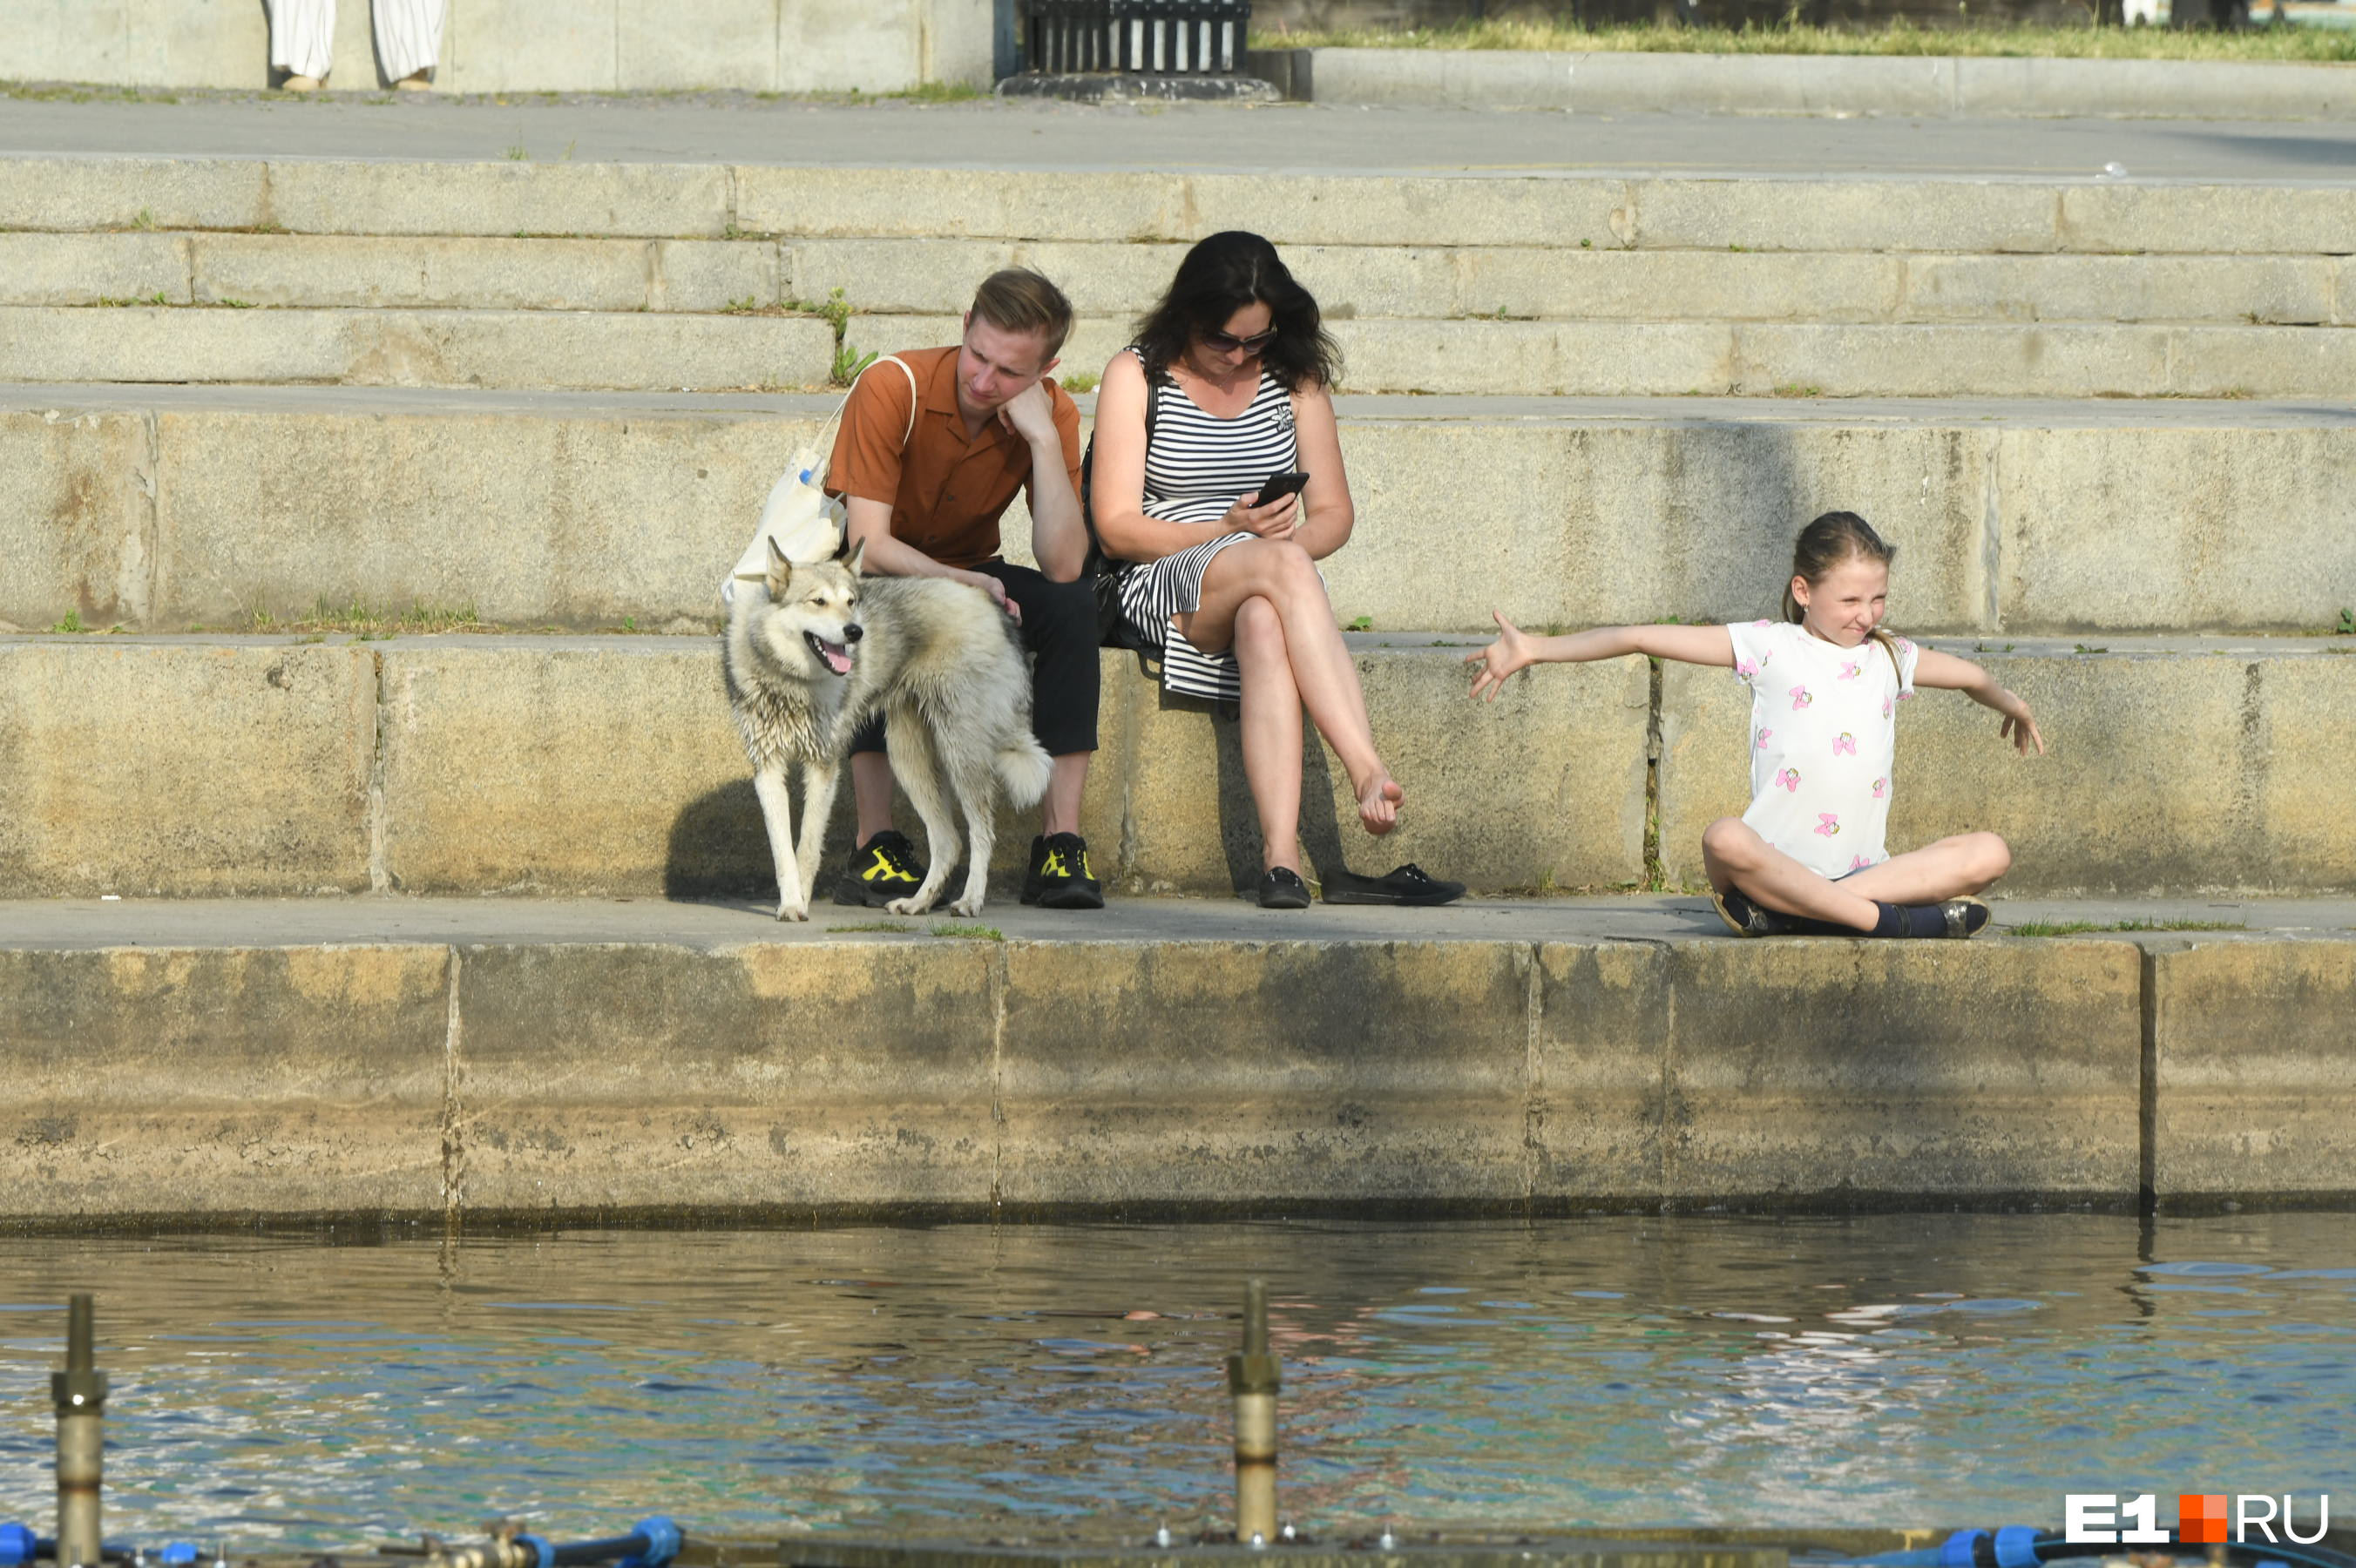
<point>1534,1100</point>
<point>453,1143</point>
<point>147,579</point>
<point>1992,539</point>
<point>378,874</point>
<point>2147,1088</point>
<point>999,984</point>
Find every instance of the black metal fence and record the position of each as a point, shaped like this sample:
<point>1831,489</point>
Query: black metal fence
<point>1155,37</point>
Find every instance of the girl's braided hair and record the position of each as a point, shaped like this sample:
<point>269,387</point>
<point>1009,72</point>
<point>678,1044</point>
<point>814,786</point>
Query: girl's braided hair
<point>1831,541</point>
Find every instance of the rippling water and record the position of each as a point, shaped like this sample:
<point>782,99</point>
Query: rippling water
<point>1885,1370</point>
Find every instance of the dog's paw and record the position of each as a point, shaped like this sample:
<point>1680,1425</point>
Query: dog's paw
<point>909,905</point>
<point>794,912</point>
<point>965,909</point>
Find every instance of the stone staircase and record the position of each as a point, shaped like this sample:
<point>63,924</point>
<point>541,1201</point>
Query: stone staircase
<point>654,277</point>
<point>522,411</point>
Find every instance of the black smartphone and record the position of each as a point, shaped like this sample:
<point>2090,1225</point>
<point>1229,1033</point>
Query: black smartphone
<point>1280,486</point>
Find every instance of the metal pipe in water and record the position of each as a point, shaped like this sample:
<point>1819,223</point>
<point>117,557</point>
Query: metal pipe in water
<point>79,1393</point>
<point>1253,1381</point>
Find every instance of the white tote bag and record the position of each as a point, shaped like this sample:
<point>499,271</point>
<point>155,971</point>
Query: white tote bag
<point>806,523</point>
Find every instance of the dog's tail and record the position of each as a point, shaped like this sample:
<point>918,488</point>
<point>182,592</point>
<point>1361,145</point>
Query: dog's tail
<point>1023,768</point>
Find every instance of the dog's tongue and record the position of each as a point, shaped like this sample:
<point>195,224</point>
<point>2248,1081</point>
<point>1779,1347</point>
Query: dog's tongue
<point>836,656</point>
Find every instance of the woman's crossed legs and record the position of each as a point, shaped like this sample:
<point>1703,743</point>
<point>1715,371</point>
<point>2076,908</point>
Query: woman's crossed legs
<point>1735,857</point>
<point>1264,599</point>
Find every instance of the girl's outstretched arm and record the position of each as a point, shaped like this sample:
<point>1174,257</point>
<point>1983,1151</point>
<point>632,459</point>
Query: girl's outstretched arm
<point>1515,649</point>
<point>1948,671</point>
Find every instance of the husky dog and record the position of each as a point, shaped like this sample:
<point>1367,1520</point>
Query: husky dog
<point>809,654</point>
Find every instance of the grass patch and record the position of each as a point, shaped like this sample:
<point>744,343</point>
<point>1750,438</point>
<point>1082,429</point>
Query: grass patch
<point>835,311</point>
<point>2343,627</point>
<point>110,303</point>
<point>2080,927</point>
<point>976,933</point>
<point>1362,623</point>
<point>896,928</point>
<point>80,92</point>
<point>2290,43</point>
<point>1079,381</point>
<point>365,621</point>
<point>939,93</point>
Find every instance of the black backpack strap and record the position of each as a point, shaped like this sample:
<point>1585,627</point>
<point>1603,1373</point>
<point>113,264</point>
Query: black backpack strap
<point>1113,630</point>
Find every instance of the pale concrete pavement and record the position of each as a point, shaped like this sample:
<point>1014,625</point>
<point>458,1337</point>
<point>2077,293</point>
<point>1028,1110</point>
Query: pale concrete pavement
<point>1286,138</point>
<point>62,925</point>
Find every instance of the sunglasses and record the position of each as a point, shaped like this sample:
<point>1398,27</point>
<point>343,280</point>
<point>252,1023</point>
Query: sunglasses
<point>1228,342</point>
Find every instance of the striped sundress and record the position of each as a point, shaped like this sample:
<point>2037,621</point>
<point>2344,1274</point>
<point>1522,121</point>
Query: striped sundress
<point>1195,468</point>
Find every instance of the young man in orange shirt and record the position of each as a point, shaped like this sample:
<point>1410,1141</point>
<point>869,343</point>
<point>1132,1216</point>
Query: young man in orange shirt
<point>927,461</point>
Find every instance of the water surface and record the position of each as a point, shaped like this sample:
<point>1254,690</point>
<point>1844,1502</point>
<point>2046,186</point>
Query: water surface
<point>1903,1369</point>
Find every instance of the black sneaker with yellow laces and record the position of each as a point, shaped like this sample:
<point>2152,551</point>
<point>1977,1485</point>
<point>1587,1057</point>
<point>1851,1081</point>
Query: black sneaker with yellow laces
<point>884,869</point>
<point>1059,875</point>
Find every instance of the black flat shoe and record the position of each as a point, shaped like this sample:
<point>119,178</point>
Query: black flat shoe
<point>1407,885</point>
<point>1284,889</point>
<point>1746,919</point>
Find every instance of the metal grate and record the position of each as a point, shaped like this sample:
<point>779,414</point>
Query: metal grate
<point>1153,38</point>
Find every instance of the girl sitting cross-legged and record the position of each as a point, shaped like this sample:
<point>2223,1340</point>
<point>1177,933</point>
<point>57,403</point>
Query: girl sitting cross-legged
<point>1826,684</point>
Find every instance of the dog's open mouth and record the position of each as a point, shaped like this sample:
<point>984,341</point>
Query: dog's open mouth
<point>836,655</point>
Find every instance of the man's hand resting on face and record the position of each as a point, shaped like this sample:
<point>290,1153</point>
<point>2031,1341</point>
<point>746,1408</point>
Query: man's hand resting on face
<point>1031,415</point>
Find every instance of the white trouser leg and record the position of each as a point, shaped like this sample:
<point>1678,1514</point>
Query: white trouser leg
<point>303,35</point>
<point>407,36</point>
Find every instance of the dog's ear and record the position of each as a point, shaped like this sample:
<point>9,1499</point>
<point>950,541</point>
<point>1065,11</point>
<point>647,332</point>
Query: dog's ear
<point>781,570</point>
<point>851,562</point>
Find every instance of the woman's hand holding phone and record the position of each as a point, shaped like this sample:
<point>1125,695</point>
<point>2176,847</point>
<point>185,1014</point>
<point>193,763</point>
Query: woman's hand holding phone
<point>1280,519</point>
<point>1277,518</point>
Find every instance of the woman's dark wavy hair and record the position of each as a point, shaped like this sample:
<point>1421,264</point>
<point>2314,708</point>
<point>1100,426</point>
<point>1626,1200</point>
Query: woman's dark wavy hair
<point>1220,276</point>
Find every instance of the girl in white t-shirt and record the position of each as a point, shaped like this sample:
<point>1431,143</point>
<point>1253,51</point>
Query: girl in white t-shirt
<point>1826,684</point>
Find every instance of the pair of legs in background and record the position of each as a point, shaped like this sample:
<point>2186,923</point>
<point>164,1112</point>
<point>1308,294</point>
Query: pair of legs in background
<point>1737,859</point>
<point>408,39</point>
<point>1264,599</point>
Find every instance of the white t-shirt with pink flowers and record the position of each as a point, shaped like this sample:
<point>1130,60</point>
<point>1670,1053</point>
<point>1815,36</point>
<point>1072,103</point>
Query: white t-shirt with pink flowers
<point>1823,738</point>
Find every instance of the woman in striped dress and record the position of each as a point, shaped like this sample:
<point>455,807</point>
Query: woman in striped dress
<point>1237,367</point>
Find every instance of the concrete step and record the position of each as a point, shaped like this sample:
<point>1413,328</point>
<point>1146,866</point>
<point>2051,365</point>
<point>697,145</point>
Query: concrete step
<point>173,507</point>
<point>545,350</point>
<point>388,272</point>
<point>1549,210</point>
<point>1113,281</point>
<point>555,764</point>
<point>649,350</point>
<point>470,1058</point>
<point>1836,86</point>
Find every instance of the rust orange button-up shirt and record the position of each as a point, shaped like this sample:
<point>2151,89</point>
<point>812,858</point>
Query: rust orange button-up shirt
<point>945,491</point>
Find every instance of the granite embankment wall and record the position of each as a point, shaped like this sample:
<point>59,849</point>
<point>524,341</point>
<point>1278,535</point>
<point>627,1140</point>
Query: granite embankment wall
<point>855,1076</point>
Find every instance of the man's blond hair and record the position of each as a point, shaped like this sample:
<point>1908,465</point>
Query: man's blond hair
<point>1020,299</point>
